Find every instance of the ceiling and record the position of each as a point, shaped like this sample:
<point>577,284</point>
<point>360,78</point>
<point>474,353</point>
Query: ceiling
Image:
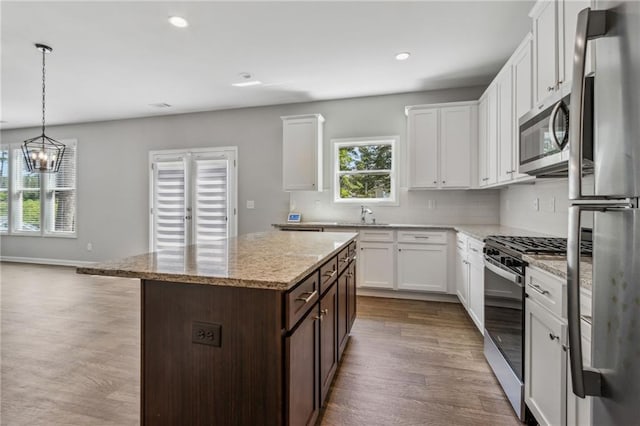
<point>112,60</point>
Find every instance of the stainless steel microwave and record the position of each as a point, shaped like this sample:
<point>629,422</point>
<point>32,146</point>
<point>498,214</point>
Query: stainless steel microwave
<point>544,136</point>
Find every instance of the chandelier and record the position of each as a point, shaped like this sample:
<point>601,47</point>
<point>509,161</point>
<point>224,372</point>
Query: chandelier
<point>42,153</point>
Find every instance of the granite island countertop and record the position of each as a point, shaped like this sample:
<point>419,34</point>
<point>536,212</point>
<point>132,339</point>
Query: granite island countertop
<point>269,260</point>
<point>557,265</point>
<point>479,232</point>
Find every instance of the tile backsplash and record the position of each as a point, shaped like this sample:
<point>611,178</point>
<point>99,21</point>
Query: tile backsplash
<point>420,207</point>
<point>541,207</point>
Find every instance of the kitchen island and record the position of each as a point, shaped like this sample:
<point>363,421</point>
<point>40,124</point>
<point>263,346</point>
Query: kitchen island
<point>246,330</point>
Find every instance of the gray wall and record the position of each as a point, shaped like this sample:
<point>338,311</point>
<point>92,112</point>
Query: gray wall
<point>113,157</point>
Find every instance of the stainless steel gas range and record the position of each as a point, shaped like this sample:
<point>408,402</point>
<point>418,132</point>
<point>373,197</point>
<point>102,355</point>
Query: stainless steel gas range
<point>504,296</point>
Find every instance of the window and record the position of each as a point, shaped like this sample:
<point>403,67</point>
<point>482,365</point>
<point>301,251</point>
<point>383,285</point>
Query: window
<point>365,170</point>
<point>40,203</point>
<point>4,190</point>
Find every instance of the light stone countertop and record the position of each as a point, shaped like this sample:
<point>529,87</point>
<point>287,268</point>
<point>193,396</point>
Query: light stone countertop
<point>268,260</point>
<point>557,265</point>
<point>479,232</point>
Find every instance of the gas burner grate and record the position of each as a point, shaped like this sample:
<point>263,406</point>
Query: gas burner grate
<point>540,245</point>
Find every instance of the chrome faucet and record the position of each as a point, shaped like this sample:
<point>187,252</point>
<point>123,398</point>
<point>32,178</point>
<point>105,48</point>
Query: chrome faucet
<point>364,210</point>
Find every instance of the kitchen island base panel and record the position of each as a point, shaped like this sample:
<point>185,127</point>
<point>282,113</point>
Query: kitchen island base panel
<point>182,379</point>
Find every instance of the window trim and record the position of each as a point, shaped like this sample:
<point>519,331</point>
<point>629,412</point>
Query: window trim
<point>374,140</point>
<point>44,222</point>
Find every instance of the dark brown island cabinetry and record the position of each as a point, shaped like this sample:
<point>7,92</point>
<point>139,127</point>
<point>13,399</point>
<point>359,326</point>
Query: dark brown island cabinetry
<point>253,338</point>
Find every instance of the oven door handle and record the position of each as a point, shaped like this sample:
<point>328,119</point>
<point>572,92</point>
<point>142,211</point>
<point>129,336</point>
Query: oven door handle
<point>507,275</point>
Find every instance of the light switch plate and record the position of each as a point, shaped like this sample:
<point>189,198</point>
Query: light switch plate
<point>251,204</point>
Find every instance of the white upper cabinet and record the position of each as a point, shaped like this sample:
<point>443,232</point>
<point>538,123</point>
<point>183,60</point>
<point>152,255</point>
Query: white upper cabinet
<point>483,174</point>
<point>302,152</point>
<point>456,124</point>
<point>423,148</point>
<point>545,15</point>
<point>569,10</point>
<point>554,26</point>
<point>440,141</point>
<point>506,129</point>
<point>523,78</point>
<point>488,137</point>
<point>522,67</point>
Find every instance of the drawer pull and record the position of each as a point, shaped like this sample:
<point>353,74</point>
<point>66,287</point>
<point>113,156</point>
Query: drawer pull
<point>330,274</point>
<point>476,250</point>
<point>345,260</point>
<point>539,289</point>
<point>308,298</point>
<point>421,236</point>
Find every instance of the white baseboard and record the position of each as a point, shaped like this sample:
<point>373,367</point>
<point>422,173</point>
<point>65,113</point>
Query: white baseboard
<point>41,261</point>
<point>409,295</point>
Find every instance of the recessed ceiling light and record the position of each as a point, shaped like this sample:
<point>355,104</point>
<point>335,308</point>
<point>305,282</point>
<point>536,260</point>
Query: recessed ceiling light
<point>403,56</point>
<point>247,83</point>
<point>178,21</point>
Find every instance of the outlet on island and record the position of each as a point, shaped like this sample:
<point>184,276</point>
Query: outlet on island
<point>206,333</point>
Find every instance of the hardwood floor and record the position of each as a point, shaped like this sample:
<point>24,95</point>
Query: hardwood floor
<point>70,356</point>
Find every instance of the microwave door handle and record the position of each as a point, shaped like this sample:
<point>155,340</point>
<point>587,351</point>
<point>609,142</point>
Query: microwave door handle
<point>552,125</point>
<point>591,25</point>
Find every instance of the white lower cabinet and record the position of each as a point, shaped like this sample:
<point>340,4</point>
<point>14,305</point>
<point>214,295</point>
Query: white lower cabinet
<point>545,347</point>
<point>422,267</point>
<point>470,277</point>
<point>476,291</point>
<point>462,277</point>
<point>376,265</point>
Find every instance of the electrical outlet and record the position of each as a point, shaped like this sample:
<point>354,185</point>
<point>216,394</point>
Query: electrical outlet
<point>206,333</point>
<point>251,204</point>
<point>431,204</point>
<point>89,247</point>
<point>536,204</point>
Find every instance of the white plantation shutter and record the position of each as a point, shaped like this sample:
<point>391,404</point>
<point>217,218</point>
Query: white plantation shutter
<point>4,189</point>
<point>169,205</point>
<point>210,200</point>
<point>193,202</point>
<point>211,210</point>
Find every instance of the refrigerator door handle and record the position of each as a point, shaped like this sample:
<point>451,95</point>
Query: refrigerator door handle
<point>591,25</point>
<point>585,381</point>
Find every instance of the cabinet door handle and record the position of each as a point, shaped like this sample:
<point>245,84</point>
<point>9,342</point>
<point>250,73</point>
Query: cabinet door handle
<point>324,311</point>
<point>308,298</point>
<point>330,274</point>
<point>349,274</point>
<point>421,236</point>
<point>435,182</point>
<point>399,249</point>
<point>476,250</point>
<point>539,289</point>
<point>554,337</point>
<point>550,89</point>
<point>444,181</point>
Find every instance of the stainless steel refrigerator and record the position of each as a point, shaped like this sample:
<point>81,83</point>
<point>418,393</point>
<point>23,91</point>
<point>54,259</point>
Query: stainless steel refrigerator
<point>612,29</point>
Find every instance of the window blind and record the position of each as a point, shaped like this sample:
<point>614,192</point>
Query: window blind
<point>61,194</point>
<point>169,206</point>
<point>4,190</point>
<point>26,212</point>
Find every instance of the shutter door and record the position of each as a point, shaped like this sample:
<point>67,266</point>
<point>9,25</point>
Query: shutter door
<point>169,206</point>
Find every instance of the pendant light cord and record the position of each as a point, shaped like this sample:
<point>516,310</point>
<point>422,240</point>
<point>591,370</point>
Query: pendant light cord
<point>44,52</point>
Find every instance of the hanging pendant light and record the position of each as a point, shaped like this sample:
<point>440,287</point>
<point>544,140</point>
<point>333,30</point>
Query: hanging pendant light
<point>42,153</point>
